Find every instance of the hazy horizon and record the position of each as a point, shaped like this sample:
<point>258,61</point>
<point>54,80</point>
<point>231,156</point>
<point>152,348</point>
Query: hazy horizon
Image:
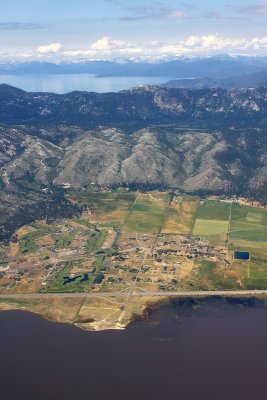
<point>148,29</point>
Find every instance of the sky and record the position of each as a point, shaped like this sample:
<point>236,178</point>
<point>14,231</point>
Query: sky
<point>71,30</point>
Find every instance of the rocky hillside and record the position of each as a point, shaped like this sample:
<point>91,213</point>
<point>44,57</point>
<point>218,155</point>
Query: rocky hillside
<point>209,140</point>
<point>139,106</point>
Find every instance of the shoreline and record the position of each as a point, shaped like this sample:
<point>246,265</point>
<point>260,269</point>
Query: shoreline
<point>141,313</point>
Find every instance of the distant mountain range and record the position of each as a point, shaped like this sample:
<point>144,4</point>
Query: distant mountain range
<point>220,67</point>
<point>240,81</point>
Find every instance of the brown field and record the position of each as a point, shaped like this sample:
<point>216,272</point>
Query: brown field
<point>99,314</point>
<point>180,215</point>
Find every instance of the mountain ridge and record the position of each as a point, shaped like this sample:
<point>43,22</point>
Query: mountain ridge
<point>214,67</point>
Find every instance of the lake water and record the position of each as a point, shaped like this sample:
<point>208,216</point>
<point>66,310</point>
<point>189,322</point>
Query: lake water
<point>214,352</point>
<point>84,82</point>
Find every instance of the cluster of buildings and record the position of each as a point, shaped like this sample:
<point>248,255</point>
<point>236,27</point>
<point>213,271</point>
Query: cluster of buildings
<point>187,246</point>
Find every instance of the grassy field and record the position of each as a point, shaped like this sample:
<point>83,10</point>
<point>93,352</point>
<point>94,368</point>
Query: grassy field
<point>250,234</point>
<point>248,229</point>
<point>208,227</point>
<point>249,215</point>
<point>208,276</point>
<point>213,210</point>
<point>110,207</point>
<point>63,241</point>
<point>147,213</point>
<point>27,242</point>
<point>212,220</point>
<point>62,283</point>
<point>180,216</point>
<point>96,240</point>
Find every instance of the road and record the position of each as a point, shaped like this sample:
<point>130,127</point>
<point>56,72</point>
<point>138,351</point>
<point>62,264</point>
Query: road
<point>125,293</point>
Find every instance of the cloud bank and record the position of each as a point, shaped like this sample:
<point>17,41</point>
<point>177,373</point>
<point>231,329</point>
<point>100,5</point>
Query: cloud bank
<point>109,48</point>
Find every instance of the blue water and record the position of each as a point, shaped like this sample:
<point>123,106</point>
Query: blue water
<point>188,350</point>
<point>241,255</point>
<point>69,280</point>
<point>85,278</point>
<point>70,82</point>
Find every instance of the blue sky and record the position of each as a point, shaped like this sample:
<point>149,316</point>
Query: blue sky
<point>81,29</point>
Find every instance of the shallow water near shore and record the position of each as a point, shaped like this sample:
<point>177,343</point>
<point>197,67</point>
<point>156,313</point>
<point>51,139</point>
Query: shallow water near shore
<point>212,349</point>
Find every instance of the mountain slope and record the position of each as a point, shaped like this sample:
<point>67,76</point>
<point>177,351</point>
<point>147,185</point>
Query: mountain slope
<point>211,140</point>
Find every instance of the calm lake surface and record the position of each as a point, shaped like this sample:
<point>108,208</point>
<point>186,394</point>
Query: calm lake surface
<point>214,352</point>
<point>70,82</point>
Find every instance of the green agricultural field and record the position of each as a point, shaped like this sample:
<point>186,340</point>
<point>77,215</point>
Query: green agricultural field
<point>108,201</point>
<point>256,273</point>
<point>108,206</point>
<point>208,227</point>
<point>87,197</point>
<point>242,226</point>
<point>255,248</point>
<point>249,215</point>
<point>250,234</point>
<point>248,229</point>
<point>147,213</point>
<point>143,222</point>
<point>213,210</point>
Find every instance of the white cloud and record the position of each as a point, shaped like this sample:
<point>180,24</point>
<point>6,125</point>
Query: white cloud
<point>77,53</point>
<point>50,48</point>
<point>106,43</point>
<point>192,45</point>
<point>258,43</point>
<point>212,44</point>
<point>110,48</point>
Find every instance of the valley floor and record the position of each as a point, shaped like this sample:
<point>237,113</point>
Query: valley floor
<point>128,250</point>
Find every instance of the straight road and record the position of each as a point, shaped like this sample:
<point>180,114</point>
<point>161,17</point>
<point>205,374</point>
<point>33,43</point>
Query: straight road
<point>137,294</point>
